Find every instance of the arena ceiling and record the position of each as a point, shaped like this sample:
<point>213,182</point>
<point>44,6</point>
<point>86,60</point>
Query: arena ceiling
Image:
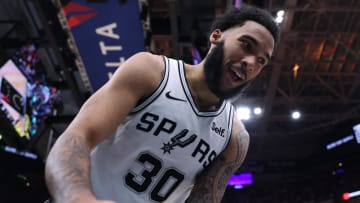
<point>319,37</point>
<point>315,70</point>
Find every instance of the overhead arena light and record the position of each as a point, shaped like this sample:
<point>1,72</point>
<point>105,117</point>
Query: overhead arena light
<point>348,195</point>
<point>257,111</point>
<point>296,115</point>
<point>243,113</point>
<point>279,16</point>
<point>356,129</point>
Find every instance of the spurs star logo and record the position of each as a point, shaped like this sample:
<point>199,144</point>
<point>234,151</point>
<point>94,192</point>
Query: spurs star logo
<point>167,147</point>
<point>176,141</point>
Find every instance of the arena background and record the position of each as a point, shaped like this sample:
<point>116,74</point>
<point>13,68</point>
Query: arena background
<point>54,54</point>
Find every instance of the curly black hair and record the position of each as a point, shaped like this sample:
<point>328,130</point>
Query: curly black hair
<point>237,16</point>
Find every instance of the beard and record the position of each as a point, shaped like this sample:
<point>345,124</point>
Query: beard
<point>213,72</point>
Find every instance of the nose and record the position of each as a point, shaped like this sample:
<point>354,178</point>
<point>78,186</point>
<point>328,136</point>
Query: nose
<point>250,62</point>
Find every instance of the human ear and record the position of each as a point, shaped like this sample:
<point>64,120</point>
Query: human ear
<point>215,36</point>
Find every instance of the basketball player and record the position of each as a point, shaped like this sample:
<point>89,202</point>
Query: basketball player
<point>161,130</point>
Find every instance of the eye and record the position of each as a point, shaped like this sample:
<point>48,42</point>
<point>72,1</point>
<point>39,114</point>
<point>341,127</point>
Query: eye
<point>261,61</point>
<point>245,45</point>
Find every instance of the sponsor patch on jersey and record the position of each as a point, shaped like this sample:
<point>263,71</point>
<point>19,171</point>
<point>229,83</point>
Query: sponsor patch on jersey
<point>218,129</point>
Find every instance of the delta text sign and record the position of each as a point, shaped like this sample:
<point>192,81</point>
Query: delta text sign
<point>106,33</point>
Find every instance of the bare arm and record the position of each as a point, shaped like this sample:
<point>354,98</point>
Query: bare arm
<point>67,170</point>
<point>67,167</point>
<point>211,185</point>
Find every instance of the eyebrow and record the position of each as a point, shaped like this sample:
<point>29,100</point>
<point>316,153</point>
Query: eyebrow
<point>254,41</point>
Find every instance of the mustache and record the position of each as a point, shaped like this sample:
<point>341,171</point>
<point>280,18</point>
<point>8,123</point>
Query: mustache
<point>213,66</point>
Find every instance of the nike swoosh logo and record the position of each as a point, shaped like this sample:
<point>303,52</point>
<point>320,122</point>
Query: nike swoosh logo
<point>173,98</point>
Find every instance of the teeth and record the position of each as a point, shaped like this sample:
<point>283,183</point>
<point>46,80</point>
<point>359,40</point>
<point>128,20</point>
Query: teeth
<point>237,73</point>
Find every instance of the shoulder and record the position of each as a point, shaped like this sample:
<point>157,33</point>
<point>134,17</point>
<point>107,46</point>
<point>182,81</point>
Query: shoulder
<point>238,128</point>
<point>211,183</point>
<point>239,142</point>
<point>142,71</point>
<point>146,59</point>
<point>143,62</point>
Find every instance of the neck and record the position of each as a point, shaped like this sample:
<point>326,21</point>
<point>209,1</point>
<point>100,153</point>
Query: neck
<point>204,99</point>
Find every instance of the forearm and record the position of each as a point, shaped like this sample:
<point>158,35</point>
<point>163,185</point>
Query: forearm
<point>67,169</point>
<point>211,185</point>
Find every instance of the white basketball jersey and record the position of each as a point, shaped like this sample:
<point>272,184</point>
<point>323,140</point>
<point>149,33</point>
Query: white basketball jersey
<point>161,147</point>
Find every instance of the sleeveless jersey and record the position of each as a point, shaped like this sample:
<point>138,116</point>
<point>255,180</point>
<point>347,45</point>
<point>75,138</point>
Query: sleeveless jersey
<point>156,154</point>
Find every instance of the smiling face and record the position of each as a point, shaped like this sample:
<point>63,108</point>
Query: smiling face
<point>239,55</point>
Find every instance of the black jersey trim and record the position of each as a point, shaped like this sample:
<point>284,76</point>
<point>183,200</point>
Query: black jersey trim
<point>230,126</point>
<point>157,92</point>
<point>184,82</point>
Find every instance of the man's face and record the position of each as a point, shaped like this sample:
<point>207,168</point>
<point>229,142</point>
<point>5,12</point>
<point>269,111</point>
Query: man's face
<point>238,56</point>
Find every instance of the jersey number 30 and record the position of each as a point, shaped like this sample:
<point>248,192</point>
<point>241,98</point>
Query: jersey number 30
<point>166,180</point>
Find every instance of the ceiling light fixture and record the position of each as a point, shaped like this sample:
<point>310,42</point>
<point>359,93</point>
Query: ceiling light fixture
<point>279,16</point>
<point>257,111</point>
<point>296,115</point>
<point>243,113</point>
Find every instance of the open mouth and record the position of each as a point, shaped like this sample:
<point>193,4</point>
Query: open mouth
<point>237,74</point>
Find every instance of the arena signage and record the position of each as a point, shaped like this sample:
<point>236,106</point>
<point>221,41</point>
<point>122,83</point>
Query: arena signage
<point>106,33</point>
